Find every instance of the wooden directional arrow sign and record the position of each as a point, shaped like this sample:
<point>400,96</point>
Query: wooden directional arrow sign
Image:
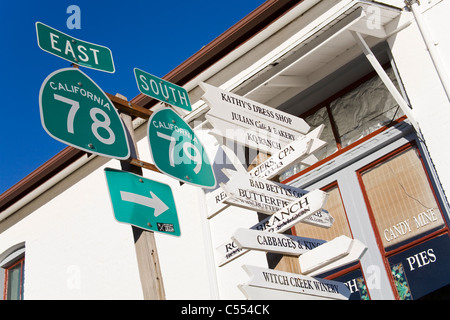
<point>260,293</point>
<point>355,252</point>
<point>274,242</point>
<point>290,155</point>
<point>282,220</point>
<point>250,123</point>
<point>297,283</point>
<point>223,100</point>
<point>319,257</point>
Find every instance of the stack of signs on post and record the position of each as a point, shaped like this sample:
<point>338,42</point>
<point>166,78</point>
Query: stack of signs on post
<point>282,220</point>
<point>249,123</point>
<point>325,256</point>
<point>315,256</point>
<point>261,195</point>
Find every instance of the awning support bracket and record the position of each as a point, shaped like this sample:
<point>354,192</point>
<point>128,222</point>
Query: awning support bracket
<point>385,78</point>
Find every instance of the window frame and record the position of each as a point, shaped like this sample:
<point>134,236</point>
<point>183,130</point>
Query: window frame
<point>21,262</point>
<point>327,104</point>
<point>407,244</point>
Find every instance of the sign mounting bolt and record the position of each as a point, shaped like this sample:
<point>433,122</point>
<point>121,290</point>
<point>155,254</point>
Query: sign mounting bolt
<point>91,146</point>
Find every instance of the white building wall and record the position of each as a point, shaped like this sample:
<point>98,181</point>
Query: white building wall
<point>430,104</point>
<point>74,248</point>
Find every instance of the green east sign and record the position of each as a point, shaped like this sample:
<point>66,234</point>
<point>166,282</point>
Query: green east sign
<point>80,52</point>
<point>75,111</point>
<point>142,202</point>
<point>177,151</point>
<point>162,90</point>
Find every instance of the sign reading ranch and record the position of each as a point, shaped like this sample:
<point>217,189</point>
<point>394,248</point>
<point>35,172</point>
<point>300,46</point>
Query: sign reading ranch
<point>297,211</point>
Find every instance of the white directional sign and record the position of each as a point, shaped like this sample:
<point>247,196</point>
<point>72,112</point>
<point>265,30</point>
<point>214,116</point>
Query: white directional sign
<point>282,220</point>
<point>274,242</point>
<point>290,155</point>
<point>221,99</point>
<point>357,250</point>
<point>260,293</point>
<point>333,250</point>
<point>249,123</point>
<point>297,283</point>
<point>219,200</point>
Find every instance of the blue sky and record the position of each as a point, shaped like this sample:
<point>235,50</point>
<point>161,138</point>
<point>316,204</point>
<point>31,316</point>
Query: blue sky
<point>155,36</point>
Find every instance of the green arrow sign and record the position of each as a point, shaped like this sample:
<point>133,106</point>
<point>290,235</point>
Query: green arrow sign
<point>80,52</point>
<point>162,90</point>
<point>177,151</point>
<point>75,111</point>
<point>142,202</point>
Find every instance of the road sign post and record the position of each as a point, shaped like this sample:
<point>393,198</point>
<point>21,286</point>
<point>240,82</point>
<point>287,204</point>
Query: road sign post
<point>75,111</point>
<point>177,151</point>
<point>79,52</point>
<point>144,241</point>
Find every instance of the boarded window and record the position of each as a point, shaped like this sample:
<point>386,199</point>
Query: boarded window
<point>400,198</point>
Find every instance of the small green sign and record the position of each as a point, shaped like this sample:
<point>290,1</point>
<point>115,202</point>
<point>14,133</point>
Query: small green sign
<point>75,111</point>
<point>80,52</point>
<point>177,151</point>
<point>162,90</point>
<point>142,202</point>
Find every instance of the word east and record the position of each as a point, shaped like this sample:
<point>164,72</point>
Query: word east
<point>78,52</point>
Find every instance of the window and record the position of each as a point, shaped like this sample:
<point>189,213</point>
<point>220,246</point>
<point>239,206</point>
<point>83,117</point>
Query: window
<point>351,115</point>
<point>340,227</point>
<point>12,274</point>
<point>400,198</point>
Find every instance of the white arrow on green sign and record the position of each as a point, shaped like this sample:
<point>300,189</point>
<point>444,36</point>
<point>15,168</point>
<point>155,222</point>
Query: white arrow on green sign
<point>80,52</point>
<point>177,151</point>
<point>162,90</point>
<point>142,202</point>
<point>75,111</point>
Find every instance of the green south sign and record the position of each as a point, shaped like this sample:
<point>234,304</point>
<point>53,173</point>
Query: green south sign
<point>162,90</point>
<point>80,52</point>
<point>177,151</point>
<point>75,111</point>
